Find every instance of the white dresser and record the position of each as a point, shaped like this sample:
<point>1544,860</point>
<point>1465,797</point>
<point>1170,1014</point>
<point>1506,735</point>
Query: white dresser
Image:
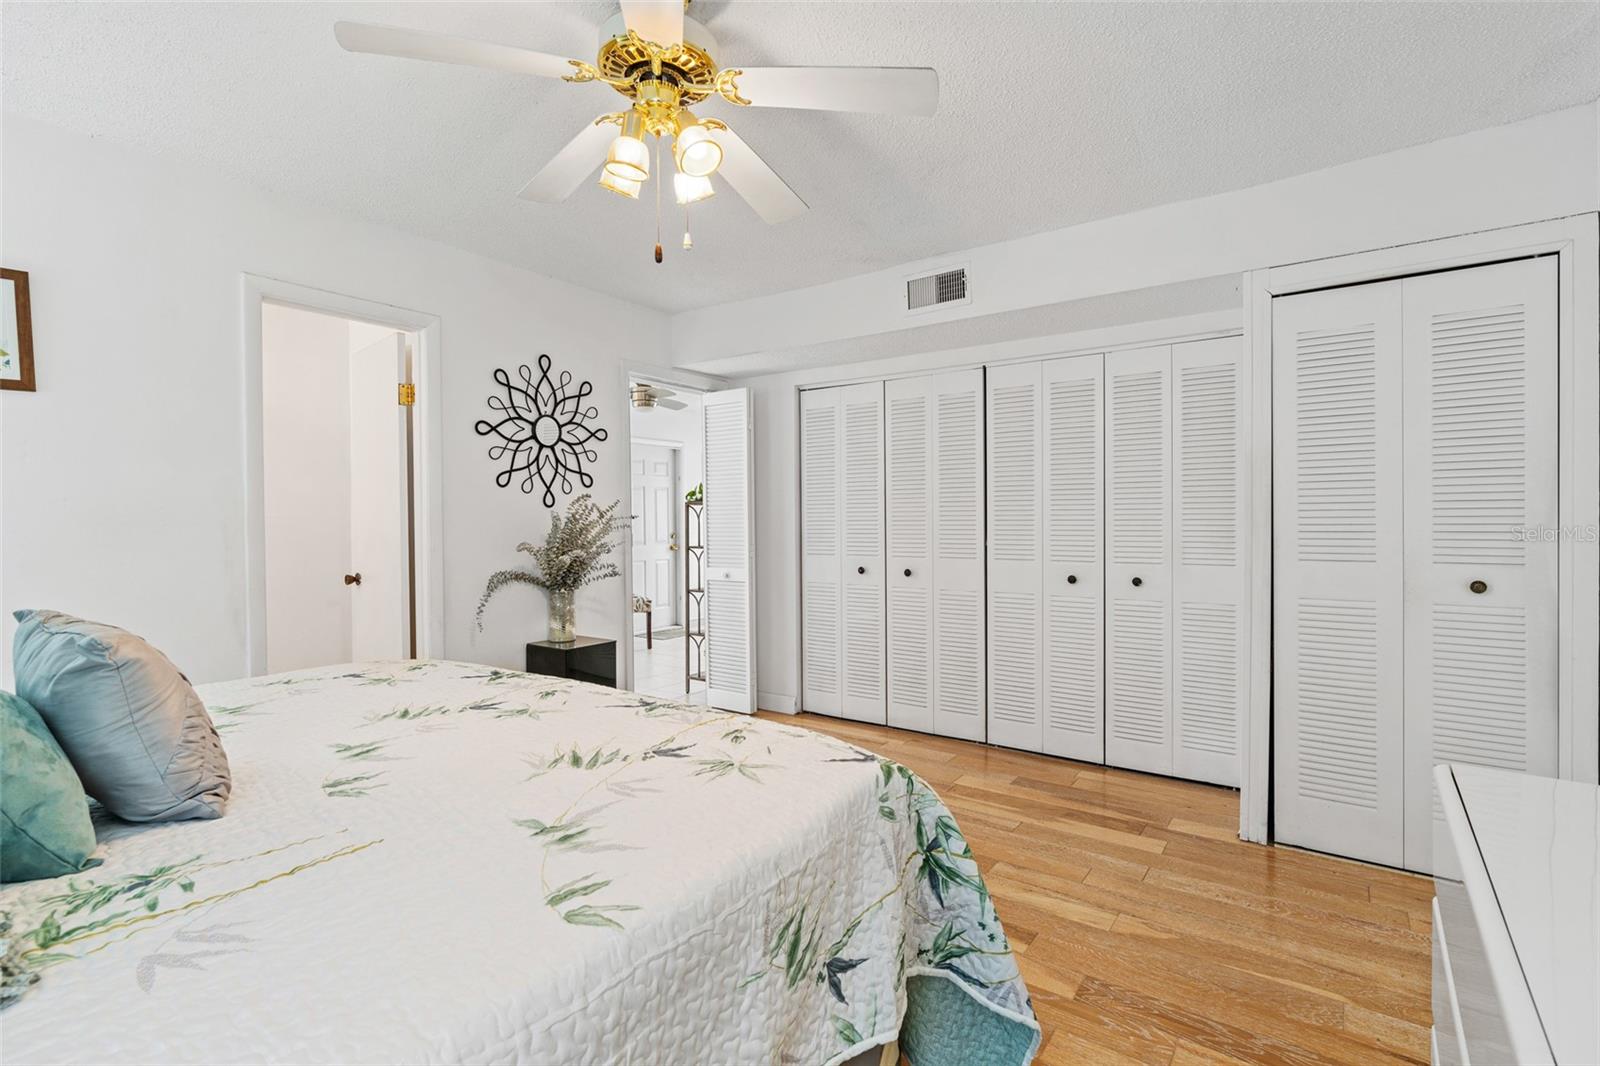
<point>1516,919</point>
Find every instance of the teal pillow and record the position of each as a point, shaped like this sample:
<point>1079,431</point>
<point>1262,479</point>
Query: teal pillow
<point>44,815</point>
<point>131,723</point>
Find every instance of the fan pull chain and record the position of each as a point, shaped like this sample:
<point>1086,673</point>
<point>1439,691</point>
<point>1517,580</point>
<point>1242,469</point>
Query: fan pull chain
<point>660,179</point>
<point>688,241</point>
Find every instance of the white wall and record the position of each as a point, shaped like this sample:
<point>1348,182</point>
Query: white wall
<point>124,473</point>
<point>1543,167</point>
<point>305,399</point>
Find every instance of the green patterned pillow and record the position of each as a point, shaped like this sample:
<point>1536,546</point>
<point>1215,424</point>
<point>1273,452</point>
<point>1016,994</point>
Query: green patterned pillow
<point>44,815</point>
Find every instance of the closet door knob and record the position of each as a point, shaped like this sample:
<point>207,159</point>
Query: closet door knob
<point>1138,581</point>
<point>908,572</point>
<point>352,579</point>
<point>1072,579</point>
<point>1480,587</point>
<point>861,569</point>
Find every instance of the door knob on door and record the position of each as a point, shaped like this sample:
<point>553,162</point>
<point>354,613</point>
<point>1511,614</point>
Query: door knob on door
<point>1479,586</point>
<point>908,572</point>
<point>1072,579</point>
<point>861,569</point>
<point>1138,581</point>
<point>352,579</point>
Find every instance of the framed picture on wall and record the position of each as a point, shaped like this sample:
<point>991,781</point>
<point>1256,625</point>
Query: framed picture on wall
<point>16,332</point>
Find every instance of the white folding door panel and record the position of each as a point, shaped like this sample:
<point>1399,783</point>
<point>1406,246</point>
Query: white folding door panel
<point>1480,518</point>
<point>861,513</point>
<point>1338,632</point>
<point>1016,637</point>
<point>958,585</point>
<point>908,520</point>
<point>1138,565</point>
<point>934,522</point>
<point>1072,580</point>
<point>821,554</point>
<point>730,547</point>
<point>1208,563</point>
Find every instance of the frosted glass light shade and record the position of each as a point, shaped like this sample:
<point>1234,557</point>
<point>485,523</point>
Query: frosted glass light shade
<point>620,186</point>
<point>698,154</point>
<point>628,159</point>
<point>691,189</point>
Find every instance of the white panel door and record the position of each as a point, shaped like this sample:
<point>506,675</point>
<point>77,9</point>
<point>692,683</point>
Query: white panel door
<point>730,550</point>
<point>1209,569</point>
<point>1016,645</point>
<point>655,533</point>
<point>909,416</point>
<point>1338,631</point>
<point>956,406</point>
<point>1072,579</point>
<point>1480,577</point>
<point>1138,566</point>
<point>380,607</point>
<point>821,554</point>
<point>861,513</point>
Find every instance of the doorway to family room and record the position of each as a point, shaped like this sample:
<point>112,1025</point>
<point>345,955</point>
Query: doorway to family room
<point>666,541</point>
<point>338,499</point>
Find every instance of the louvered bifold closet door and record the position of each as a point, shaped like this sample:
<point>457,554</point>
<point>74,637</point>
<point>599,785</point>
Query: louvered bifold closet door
<point>1138,566</point>
<point>821,553</point>
<point>1481,519</point>
<point>861,491</point>
<point>730,546</point>
<point>1208,564</point>
<point>1016,593</point>
<point>958,585</point>
<point>1338,632</point>
<point>908,521</point>
<point>1073,576</point>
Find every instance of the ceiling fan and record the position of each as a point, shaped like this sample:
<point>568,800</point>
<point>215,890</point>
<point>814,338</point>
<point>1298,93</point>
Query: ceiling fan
<point>646,396</point>
<point>663,62</point>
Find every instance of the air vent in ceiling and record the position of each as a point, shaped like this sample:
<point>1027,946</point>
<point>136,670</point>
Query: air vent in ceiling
<point>935,289</point>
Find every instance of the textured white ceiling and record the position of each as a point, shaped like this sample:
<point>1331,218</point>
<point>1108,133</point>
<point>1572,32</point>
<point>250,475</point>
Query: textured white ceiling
<point>1051,114</point>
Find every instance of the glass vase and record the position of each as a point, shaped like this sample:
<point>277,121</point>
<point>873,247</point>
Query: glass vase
<point>562,611</point>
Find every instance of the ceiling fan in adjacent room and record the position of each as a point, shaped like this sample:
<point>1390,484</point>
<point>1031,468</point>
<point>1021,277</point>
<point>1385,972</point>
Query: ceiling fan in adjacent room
<point>645,397</point>
<point>663,62</point>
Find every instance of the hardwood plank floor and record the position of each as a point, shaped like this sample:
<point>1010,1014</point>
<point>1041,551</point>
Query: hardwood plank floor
<point>1149,933</point>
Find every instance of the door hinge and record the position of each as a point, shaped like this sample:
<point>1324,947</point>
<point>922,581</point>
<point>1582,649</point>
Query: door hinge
<point>408,394</point>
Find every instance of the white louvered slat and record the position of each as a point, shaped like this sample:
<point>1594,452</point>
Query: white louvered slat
<point>1015,504</point>
<point>730,615</point>
<point>1139,655</point>
<point>1073,572</point>
<point>1209,575</point>
<point>862,561</point>
<point>1338,698</point>
<point>821,561</point>
<point>956,402</point>
<point>908,403</point>
<point>1481,459</point>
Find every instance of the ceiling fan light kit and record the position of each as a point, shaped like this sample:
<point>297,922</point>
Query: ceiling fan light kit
<point>662,62</point>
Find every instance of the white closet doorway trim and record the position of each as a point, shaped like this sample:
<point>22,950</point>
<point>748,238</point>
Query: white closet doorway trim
<point>1575,241</point>
<point>427,442</point>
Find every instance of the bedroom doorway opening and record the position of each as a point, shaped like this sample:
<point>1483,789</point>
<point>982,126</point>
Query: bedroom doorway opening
<point>338,488</point>
<point>666,542</point>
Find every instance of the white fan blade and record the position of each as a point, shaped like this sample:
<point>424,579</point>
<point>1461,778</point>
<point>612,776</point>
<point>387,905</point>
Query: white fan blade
<point>443,48</point>
<point>660,21</point>
<point>672,405</point>
<point>875,90</point>
<point>662,391</point>
<point>752,179</point>
<point>561,176</point>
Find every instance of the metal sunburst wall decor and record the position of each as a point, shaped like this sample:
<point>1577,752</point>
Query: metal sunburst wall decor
<point>544,431</point>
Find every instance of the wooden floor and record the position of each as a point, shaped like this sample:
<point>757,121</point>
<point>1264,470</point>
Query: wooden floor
<point>1148,932</point>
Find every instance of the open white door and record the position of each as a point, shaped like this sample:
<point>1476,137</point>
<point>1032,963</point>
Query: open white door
<point>380,605</point>
<point>730,548</point>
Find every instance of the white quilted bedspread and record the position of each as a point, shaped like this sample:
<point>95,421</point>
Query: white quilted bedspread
<point>442,862</point>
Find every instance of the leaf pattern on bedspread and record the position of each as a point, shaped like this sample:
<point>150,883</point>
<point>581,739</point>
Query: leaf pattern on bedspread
<point>825,875</point>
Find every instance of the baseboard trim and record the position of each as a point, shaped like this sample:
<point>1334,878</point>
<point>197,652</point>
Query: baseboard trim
<point>772,701</point>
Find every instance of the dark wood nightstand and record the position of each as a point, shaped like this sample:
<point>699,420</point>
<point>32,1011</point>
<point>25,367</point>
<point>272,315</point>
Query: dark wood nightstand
<point>591,659</point>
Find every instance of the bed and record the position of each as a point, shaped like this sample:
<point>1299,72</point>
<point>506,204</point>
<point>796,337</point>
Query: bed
<point>440,862</point>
